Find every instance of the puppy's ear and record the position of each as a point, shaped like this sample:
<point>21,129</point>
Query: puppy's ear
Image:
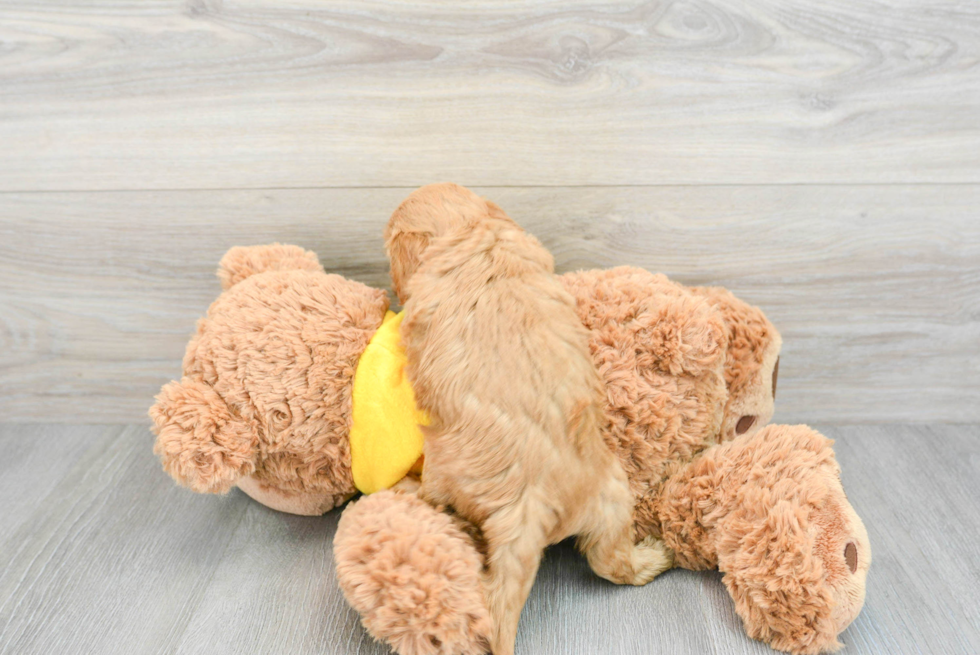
<point>429,212</point>
<point>404,252</point>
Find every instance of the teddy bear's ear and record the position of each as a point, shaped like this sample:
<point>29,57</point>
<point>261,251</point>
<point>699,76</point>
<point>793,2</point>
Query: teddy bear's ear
<point>684,335</point>
<point>751,363</point>
<point>779,586</point>
<point>242,262</point>
<point>199,442</point>
<point>753,339</point>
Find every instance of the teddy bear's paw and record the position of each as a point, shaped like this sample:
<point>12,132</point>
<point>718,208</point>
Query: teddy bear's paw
<point>651,557</point>
<point>412,575</point>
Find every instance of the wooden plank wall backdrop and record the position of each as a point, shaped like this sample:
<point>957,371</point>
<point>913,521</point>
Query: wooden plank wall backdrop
<point>820,159</point>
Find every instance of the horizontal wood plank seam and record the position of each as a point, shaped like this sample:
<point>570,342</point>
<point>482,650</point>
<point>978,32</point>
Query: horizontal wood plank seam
<point>707,185</point>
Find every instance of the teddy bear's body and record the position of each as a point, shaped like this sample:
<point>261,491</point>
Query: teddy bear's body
<point>660,350</point>
<point>690,377</point>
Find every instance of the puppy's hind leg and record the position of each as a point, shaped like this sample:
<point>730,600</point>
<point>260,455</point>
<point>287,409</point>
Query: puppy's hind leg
<point>607,538</point>
<point>515,543</point>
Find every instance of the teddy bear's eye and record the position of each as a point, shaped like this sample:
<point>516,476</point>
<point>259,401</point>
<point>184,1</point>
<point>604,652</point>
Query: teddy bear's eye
<point>775,374</point>
<point>851,556</point>
<point>744,424</point>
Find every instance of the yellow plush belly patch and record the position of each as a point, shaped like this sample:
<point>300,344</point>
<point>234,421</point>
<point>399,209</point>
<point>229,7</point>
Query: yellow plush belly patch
<point>385,437</point>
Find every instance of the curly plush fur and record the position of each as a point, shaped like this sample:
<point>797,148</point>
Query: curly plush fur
<point>769,511</point>
<point>265,400</point>
<point>690,378</point>
<point>660,350</point>
<point>412,575</point>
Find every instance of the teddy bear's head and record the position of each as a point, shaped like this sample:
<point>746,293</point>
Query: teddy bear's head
<point>428,213</point>
<point>660,350</point>
<point>265,398</point>
<point>751,363</point>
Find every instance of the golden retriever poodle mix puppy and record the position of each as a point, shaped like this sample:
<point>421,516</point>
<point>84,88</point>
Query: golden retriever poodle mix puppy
<point>500,361</point>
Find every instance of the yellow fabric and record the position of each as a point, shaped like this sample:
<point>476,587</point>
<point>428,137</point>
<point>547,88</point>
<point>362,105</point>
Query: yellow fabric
<point>385,437</point>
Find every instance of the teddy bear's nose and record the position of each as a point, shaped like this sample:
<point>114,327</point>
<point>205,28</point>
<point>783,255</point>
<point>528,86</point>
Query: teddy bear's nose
<point>744,424</point>
<point>851,556</point>
<point>775,374</point>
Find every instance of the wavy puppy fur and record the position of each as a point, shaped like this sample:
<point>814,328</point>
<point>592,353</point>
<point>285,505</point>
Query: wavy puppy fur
<point>500,361</point>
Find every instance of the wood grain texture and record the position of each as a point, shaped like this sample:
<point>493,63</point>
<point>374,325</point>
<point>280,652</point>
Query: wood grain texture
<point>876,289</point>
<point>133,94</point>
<point>30,472</point>
<point>116,560</point>
<point>915,490</point>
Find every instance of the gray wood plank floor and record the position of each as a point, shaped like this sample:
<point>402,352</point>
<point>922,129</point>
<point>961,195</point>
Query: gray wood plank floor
<point>101,553</point>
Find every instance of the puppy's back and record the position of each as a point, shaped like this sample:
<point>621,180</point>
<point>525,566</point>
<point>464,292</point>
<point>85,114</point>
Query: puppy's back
<point>500,360</point>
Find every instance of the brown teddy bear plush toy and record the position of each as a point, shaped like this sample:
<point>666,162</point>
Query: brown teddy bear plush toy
<point>293,383</point>
<point>690,376</point>
<point>265,401</point>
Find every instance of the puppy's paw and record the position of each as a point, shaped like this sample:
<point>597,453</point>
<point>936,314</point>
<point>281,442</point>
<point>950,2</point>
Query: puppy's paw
<point>651,557</point>
<point>407,485</point>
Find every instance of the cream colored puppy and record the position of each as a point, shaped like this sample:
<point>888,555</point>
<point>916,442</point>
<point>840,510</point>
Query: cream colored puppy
<point>500,361</point>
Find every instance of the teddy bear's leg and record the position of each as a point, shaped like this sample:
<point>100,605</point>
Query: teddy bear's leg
<point>413,575</point>
<point>241,262</point>
<point>769,511</point>
<point>201,444</point>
